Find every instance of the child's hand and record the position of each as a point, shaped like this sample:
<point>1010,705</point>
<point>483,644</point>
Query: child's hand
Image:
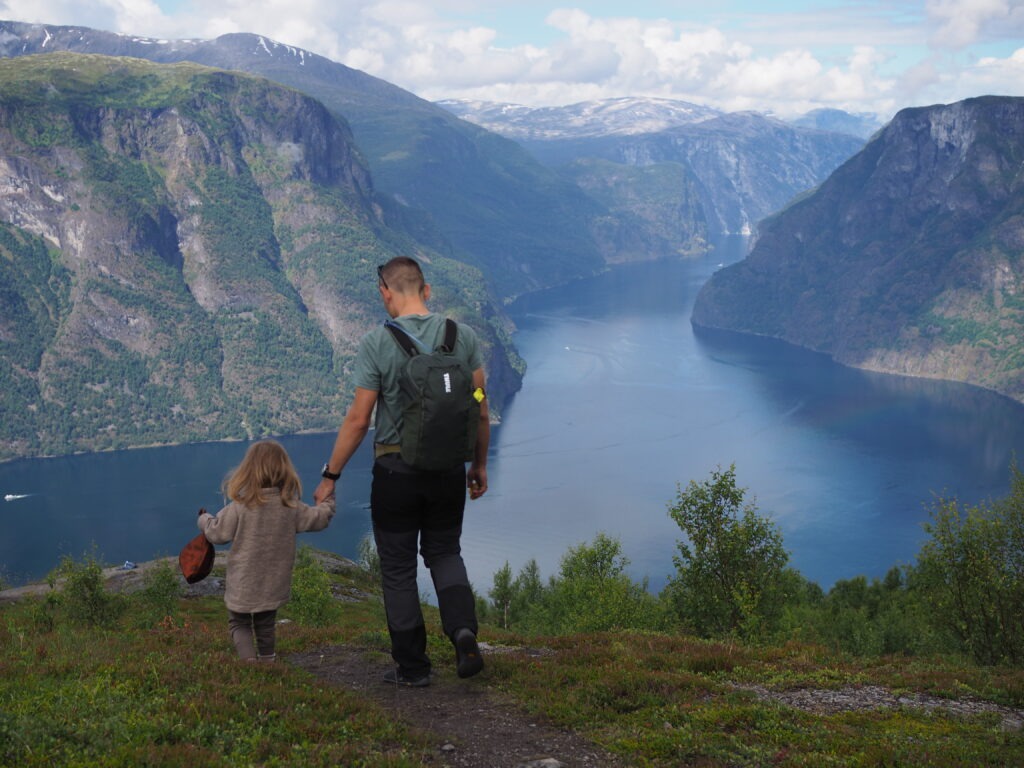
<point>324,490</point>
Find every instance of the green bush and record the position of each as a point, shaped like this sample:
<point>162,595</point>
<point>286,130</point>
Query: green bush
<point>965,594</point>
<point>158,598</point>
<point>874,618</point>
<point>312,602</point>
<point>591,593</point>
<point>971,573</point>
<point>731,575</point>
<point>527,590</point>
<point>514,599</point>
<point>83,594</point>
<point>43,613</point>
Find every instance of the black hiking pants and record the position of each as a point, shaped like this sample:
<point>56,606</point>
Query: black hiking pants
<point>420,510</point>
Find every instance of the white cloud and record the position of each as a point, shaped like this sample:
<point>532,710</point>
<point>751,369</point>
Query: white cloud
<point>605,57</point>
<point>762,60</point>
<point>960,23</point>
<point>1001,77</point>
<point>126,16</point>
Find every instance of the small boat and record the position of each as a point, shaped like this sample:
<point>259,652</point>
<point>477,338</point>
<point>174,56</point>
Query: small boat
<point>13,496</point>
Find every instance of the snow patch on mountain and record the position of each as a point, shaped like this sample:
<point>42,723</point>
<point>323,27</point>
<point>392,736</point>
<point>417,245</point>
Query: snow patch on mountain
<point>627,116</point>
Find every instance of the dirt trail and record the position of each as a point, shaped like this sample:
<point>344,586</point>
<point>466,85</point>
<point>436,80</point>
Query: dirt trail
<point>472,725</point>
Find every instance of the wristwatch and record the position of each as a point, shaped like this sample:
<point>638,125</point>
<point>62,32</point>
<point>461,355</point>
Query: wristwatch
<point>328,474</point>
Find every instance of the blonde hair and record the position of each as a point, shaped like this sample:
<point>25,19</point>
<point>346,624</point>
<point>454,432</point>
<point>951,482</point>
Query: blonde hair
<point>266,465</point>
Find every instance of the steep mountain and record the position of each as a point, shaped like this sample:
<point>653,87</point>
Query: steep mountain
<point>187,254</point>
<point>909,259</point>
<point>484,195</point>
<point>655,209</point>
<point>744,165</point>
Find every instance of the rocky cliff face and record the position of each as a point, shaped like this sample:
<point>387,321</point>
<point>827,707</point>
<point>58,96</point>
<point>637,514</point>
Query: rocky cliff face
<point>909,259</point>
<point>748,165</point>
<point>742,166</point>
<point>656,210</point>
<point>471,193</point>
<point>186,254</point>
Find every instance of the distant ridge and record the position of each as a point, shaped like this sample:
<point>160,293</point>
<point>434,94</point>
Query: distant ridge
<point>626,116</point>
<point>735,168</point>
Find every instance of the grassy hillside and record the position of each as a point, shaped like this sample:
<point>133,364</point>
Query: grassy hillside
<point>88,678</point>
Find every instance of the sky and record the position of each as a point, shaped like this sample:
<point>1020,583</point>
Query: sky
<point>786,57</point>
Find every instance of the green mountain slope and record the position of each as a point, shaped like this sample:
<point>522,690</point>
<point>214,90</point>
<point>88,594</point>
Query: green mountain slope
<point>187,254</point>
<point>487,197</point>
<point>909,259</point>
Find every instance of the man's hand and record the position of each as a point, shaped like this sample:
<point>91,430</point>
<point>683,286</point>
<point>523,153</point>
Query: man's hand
<point>476,481</point>
<point>325,489</point>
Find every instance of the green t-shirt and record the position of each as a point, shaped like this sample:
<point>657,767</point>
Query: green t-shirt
<point>379,364</point>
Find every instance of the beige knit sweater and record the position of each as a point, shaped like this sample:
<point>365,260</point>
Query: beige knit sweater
<point>262,552</point>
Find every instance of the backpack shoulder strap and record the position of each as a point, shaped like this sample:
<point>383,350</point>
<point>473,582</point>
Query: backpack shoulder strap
<point>402,337</point>
<point>451,332</point>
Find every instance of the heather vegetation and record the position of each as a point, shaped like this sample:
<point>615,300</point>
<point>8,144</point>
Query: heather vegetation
<point>90,676</point>
<point>699,674</point>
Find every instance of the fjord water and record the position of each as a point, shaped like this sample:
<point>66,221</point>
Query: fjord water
<point>622,403</point>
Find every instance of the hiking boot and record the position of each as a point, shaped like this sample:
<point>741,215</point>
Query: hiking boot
<point>395,677</point>
<point>468,660</point>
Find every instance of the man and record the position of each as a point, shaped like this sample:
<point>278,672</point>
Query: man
<point>411,507</point>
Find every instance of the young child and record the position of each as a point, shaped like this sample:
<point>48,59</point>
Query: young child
<point>261,522</point>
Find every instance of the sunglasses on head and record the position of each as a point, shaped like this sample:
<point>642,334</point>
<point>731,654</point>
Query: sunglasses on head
<point>380,275</point>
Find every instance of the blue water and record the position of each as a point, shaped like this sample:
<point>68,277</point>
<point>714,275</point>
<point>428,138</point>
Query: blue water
<point>622,403</point>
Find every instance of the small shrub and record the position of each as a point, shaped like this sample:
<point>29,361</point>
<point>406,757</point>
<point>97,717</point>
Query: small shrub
<point>159,595</point>
<point>83,594</point>
<point>42,613</point>
<point>312,602</point>
<point>591,592</point>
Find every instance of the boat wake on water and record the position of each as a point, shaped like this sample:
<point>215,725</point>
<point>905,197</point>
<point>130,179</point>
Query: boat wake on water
<point>15,496</point>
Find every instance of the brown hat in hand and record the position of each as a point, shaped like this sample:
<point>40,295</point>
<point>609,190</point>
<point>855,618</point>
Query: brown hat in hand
<point>196,558</point>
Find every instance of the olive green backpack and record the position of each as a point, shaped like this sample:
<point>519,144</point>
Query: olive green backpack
<point>440,416</point>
